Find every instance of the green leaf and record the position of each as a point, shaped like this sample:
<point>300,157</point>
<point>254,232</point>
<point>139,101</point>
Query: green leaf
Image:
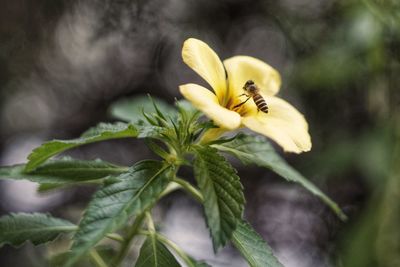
<point>64,171</point>
<point>103,131</point>
<point>222,191</point>
<point>121,198</point>
<point>39,228</point>
<point>131,110</point>
<point>154,254</point>
<point>253,248</point>
<point>257,150</point>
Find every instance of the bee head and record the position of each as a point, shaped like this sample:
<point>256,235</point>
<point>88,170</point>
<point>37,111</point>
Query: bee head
<point>250,86</point>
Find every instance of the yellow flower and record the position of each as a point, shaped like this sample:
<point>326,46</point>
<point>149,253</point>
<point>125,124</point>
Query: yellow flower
<point>283,123</point>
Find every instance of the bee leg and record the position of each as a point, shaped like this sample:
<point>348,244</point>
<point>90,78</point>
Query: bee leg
<point>242,102</point>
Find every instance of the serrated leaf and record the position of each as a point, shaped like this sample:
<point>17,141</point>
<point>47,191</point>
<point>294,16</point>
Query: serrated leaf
<point>222,191</point>
<point>153,253</point>
<point>103,131</point>
<point>38,228</point>
<point>64,171</point>
<point>121,198</point>
<point>68,171</point>
<point>253,248</point>
<point>257,150</point>
<point>131,110</point>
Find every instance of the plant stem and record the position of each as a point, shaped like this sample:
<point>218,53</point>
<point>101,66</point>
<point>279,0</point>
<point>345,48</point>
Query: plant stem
<point>97,258</point>
<point>150,223</point>
<point>190,189</point>
<point>127,242</point>
<point>170,188</point>
<point>115,237</point>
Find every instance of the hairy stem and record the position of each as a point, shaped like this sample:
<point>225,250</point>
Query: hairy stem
<point>126,244</point>
<point>115,237</point>
<point>127,241</point>
<point>97,259</point>
<point>190,189</point>
<point>150,223</point>
<point>170,188</point>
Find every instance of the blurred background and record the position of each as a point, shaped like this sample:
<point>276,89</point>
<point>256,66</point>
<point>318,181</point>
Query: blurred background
<point>62,63</point>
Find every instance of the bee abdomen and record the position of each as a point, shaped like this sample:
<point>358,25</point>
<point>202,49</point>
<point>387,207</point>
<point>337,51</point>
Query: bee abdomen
<point>260,103</point>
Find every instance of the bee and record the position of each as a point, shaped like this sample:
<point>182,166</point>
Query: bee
<point>252,91</point>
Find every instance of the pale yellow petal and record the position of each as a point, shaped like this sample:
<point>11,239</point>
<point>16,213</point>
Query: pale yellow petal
<point>240,69</point>
<point>206,101</point>
<point>283,123</point>
<point>212,134</point>
<point>203,60</point>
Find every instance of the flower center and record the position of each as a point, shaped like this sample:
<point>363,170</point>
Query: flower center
<point>251,90</point>
<point>237,104</point>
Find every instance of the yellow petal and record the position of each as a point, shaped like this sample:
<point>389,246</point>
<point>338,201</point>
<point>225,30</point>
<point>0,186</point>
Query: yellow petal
<point>206,101</point>
<point>283,123</point>
<point>212,134</point>
<point>203,60</point>
<point>240,69</point>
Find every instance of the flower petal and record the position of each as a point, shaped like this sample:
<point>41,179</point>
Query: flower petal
<point>203,60</point>
<point>283,123</point>
<point>240,69</point>
<point>206,101</point>
<point>212,135</point>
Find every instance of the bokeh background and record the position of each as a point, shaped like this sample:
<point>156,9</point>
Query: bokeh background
<point>62,63</point>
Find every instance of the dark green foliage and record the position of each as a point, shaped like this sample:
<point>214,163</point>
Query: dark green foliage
<point>62,172</point>
<point>117,209</point>
<point>38,228</point>
<point>154,254</point>
<point>102,132</point>
<point>121,197</point>
<point>222,191</point>
<point>257,150</point>
<point>253,248</point>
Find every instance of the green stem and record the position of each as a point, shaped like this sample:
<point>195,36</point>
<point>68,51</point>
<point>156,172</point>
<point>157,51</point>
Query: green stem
<point>144,232</point>
<point>150,223</point>
<point>170,188</point>
<point>127,242</point>
<point>176,248</point>
<point>97,258</point>
<point>133,231</point>
<point>190,189</point>
<point>116,237</point>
